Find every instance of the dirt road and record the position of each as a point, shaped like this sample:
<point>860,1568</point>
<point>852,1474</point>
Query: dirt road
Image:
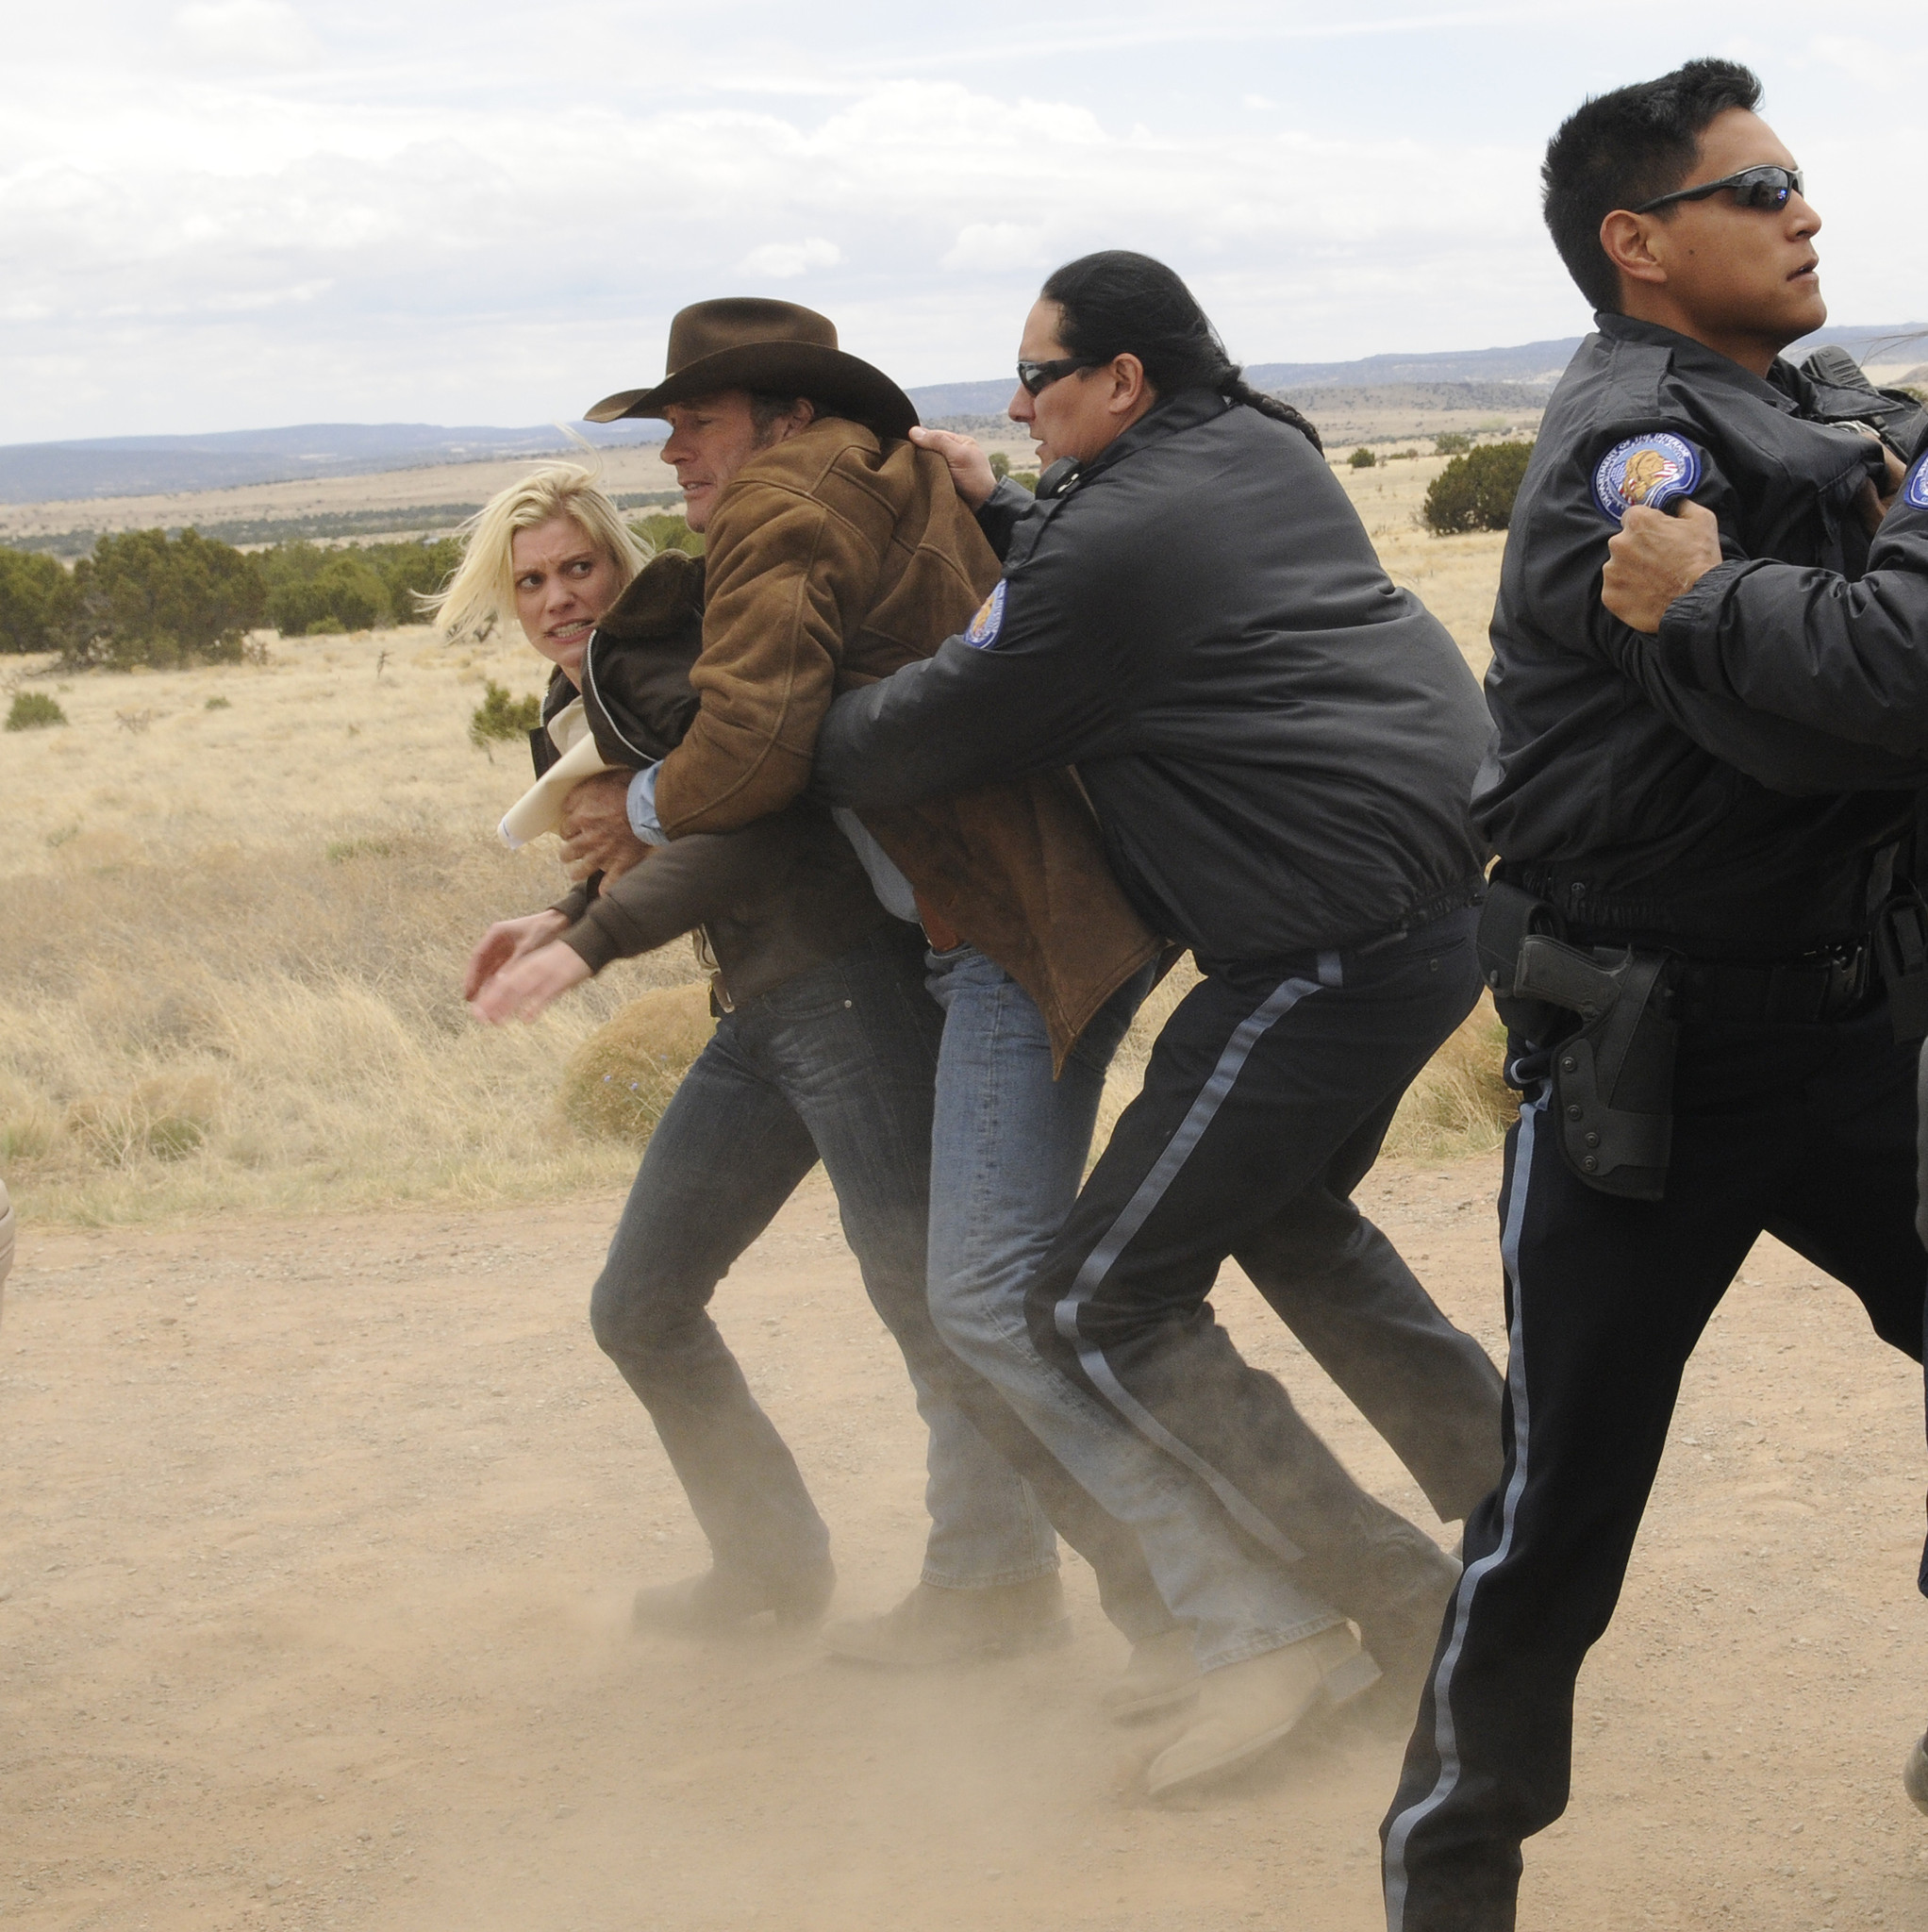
<point>317,1539</point>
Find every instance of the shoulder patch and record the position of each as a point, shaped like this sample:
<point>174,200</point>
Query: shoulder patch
<point>1645,472</point>
<point>982,631</point>
<point>1915,490</point>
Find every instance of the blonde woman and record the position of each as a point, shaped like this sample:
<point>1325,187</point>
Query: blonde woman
<point>826,1049</point>
<point>556,524</point>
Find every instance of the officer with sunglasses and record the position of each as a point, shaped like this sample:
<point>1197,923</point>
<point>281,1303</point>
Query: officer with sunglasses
<point>1699,932</point>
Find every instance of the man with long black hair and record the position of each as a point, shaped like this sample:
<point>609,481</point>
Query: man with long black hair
<point>1695,931</point>
<point>1277,743</point>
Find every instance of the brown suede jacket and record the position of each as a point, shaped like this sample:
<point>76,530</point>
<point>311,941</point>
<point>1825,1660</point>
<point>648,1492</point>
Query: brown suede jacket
<point>834,560</point>
<point>774,900</point>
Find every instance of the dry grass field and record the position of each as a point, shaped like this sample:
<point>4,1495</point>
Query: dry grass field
<point>231,938</point>
<point>235,901</point>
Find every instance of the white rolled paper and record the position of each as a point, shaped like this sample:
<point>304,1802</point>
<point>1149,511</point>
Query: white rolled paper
<point>540,808</point>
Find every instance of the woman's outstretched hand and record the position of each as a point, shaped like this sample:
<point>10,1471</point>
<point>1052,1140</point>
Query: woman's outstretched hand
<point>971,475</point>
<point>507,940</point>
<point>525,986</point>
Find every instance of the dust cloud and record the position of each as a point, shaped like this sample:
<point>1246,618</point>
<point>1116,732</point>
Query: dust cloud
<point>319,1537</point>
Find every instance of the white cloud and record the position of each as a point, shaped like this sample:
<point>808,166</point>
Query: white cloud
<point>409,216</point>
<point>995,246</point>
<point>263,33</point>
<point>1869,63</point>
<point>781,259</point>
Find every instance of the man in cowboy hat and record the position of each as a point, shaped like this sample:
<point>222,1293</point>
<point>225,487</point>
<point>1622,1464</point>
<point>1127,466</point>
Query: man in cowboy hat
<point>837,551</point>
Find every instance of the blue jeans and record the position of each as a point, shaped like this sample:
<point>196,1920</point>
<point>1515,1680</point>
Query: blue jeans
<point>836,1064</point>
<point>1007,1153</point>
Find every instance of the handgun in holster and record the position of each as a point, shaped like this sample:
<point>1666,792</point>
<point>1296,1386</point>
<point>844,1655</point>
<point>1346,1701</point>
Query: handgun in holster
<point>1600,1015</point>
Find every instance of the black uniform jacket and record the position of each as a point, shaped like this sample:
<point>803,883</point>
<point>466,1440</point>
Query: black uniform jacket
<point>1628,782</point>
<point>1848,654</point>
<point>1277,742</point>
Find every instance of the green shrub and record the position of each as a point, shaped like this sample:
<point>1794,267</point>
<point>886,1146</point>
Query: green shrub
<point>284,564</point>
<point>1025,479</point>
<point>36,601</point>
<point>347,595</point>
<point>1452,442</point>
<point>355,587</point>
<point>1363,459</point>
<point>999,464</point>
<point>662,531</point>
<point>413,570</point>
<point>217,704</point>
<point>33,709</point>
<point>1475,491</point>
<point>145,598</point>
<point>310,591</point>
<point>501,716</point>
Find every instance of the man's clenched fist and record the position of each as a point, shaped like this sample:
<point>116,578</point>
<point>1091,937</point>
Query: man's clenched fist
<point>595,827</point>
<point>1654,559</point>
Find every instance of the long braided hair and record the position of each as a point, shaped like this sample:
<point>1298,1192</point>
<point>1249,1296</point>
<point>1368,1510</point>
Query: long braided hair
<point>1119,303</point>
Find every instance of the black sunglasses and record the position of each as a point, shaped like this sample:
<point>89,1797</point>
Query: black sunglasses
<point>1036,377</point>
<point>1766,188</point>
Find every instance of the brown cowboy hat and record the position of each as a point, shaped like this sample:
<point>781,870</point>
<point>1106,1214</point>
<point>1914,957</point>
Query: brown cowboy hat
<point>744,341</point>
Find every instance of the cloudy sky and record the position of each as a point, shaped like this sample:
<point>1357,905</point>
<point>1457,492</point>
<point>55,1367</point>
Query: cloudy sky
<point>233,214</point>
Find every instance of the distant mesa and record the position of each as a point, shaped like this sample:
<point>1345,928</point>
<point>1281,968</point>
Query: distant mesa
<point>151,465</point>
<point>1535,363</point>
<point>1478,378</point>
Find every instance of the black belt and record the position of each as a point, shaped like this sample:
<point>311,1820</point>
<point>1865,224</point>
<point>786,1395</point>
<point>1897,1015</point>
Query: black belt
<point>1780,993</point>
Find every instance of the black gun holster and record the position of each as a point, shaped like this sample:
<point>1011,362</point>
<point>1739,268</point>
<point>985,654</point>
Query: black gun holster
<point>1600,1013</point>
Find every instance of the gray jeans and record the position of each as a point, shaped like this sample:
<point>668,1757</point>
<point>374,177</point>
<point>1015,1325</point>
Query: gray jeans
<point>836,1064</point>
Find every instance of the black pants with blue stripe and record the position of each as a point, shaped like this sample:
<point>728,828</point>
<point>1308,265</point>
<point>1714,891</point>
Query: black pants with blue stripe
<point>1265,1101</point>
<point>1804,1132</point>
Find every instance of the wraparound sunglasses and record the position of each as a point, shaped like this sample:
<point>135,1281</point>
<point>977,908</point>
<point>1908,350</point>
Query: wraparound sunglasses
<point>1765,188</point>
<point>1036,377</point>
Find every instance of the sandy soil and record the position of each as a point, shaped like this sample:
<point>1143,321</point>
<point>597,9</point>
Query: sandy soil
<point>318,1537</point>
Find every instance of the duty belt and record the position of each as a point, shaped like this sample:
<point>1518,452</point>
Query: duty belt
<point>1780,992</point>
<point>1608,1016</point>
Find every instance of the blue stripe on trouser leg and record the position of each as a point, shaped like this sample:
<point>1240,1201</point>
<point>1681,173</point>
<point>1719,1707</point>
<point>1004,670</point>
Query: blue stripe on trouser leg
<point>1445,1739</point>
<point>1150,1192</point>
